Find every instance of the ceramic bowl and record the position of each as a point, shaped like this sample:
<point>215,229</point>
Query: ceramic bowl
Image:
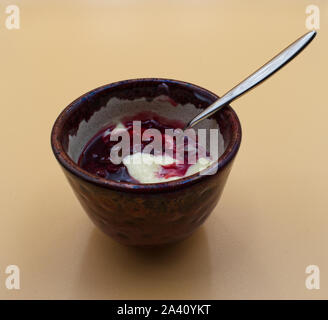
<point>144,214</point>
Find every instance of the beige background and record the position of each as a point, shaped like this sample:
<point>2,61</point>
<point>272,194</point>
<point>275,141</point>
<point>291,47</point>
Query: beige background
<point>272,219</point>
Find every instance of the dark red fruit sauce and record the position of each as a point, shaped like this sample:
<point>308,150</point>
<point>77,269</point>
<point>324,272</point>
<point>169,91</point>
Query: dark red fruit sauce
<point>95,158</point>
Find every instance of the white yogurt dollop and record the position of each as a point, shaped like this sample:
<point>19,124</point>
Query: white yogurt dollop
<point>146,167</point>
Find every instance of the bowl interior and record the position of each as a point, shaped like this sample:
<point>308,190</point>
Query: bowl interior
<point>174,100</point>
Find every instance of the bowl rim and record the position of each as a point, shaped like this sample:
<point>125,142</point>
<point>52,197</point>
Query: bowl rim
<point>67,163</point>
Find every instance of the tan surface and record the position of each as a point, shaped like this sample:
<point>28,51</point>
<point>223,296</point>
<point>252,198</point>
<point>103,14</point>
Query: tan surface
<point>272,220</point>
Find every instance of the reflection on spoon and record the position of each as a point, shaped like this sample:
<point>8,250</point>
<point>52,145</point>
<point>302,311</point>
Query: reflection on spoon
<point>257,77</point>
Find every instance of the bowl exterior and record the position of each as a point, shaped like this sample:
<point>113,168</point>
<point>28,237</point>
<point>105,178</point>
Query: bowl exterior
<point>154,218</point>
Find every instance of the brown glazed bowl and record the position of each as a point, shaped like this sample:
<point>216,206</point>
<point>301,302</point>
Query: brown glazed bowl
<point>144,214</point>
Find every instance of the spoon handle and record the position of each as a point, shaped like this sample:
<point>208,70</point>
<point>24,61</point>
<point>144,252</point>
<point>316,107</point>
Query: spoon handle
<point>257,77</point>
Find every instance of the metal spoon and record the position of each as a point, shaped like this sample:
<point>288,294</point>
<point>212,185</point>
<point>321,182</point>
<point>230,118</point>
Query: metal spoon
<point>257,77</point>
